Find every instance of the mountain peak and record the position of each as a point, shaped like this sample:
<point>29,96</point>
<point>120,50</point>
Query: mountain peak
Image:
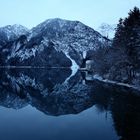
<point>56,23</point>
<point>57,26</point>
<point>12,32</point>
<point>14,27</point>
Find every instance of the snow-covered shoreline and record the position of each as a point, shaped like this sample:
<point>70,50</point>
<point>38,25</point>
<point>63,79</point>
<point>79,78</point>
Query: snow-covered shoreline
<point>99,78</point>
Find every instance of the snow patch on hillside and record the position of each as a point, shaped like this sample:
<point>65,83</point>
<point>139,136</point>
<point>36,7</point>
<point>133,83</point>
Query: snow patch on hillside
<point>74,67</point>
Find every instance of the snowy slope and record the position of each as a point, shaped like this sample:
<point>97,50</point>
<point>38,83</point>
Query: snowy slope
<point>68,35</point>
<point>55,42</point>
<point>11,32</point>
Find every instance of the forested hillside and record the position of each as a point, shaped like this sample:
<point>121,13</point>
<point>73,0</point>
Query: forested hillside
<point>121,62</point>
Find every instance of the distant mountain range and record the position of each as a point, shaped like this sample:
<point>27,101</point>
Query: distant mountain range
<point>53,43</point>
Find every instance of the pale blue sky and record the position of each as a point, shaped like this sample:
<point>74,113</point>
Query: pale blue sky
<point>91,12</point>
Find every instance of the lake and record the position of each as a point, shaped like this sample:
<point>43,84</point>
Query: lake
<point>54,104</point>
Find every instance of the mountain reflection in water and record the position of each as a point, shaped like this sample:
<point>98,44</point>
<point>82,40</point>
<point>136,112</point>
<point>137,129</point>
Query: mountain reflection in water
<point>54,92</point>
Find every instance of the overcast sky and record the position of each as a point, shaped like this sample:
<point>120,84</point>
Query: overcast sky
<point>91,12</point>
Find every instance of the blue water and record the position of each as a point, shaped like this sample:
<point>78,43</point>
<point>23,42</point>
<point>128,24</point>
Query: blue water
<point>44,105</point>
<point>28,123</point>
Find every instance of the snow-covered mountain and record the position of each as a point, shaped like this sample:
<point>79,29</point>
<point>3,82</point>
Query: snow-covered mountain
<point>68,35</point>
<point>55,42</point>
<point>107,30</point>
<point>12,32</point>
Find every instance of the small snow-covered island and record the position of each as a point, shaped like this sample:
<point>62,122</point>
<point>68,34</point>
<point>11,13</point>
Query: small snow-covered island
<point>59,43</point>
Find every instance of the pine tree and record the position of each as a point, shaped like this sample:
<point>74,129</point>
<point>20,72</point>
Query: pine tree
<point>117,41</point>
<point>128,36</point>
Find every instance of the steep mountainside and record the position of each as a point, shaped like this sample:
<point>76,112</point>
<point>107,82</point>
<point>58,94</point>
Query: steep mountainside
<point>53,43</point>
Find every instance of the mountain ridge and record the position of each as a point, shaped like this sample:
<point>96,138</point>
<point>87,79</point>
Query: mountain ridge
<point>53,43</point>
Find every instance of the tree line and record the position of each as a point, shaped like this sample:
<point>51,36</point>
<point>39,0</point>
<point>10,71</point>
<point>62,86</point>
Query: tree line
<point>121,61</point>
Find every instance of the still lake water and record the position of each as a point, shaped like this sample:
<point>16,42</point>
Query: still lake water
<point>49,104</point>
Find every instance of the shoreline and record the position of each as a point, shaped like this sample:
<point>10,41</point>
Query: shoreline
<point>99,78</point>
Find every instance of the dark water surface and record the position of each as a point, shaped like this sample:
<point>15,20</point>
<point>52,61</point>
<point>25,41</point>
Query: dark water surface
<point>52,104</point>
